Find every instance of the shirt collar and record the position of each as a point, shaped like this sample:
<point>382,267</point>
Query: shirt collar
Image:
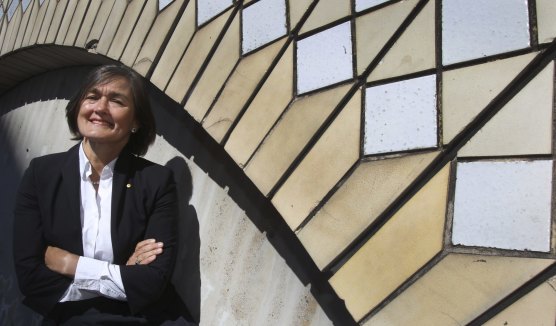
<point>85,167</point>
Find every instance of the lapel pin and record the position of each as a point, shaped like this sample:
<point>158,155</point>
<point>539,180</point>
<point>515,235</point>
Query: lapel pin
<point>128,185</point>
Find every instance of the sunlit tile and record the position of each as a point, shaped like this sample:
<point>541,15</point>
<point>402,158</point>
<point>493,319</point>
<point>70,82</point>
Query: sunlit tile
<point>102,19</point>
<point>128,23</point>
<point>297,9</point>
<point>157,34</point>
<point>370,189</point>
<point>364,4</point>
<point>300,122</point>
<point>537,307</point>
<point>195,55</point>
<point>217,71</point>
<point>546,24</point>
<point>263,22</point>
<point>237,90</point>
<point>208,9</point>
<point>25,4</point>
<point>458,289</point>
<point>176,46</point>
<point>325,12</point>
<point>467,91</point>
<point>140,32</point>
<point>71,9</point>
<point>11,9</point>
<point>87,23</point>
<point>523,126</point>
<point>373,30</point>
<point>263,112</point>
<point>324,58</point>
<point>163,4</point>
<point>412,237</point>
<point>414,51</point>
<point>55,25</point>
<point>322,168</point>
<point>485,28</point>
<point>401,116</point>
<point>503,204</point>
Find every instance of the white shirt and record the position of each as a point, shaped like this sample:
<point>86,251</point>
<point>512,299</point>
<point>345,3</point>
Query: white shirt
<point>96,275</point>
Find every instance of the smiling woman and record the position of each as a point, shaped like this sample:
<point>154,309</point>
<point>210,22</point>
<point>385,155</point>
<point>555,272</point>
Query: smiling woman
<point>95,227</point>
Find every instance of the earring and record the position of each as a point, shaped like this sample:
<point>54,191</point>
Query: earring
<point>133,130</point>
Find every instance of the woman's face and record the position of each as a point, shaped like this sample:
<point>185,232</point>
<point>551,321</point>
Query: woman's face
<point>107,113</point>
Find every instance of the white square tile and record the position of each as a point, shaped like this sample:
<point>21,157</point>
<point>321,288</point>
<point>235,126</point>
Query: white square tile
<point>207,9</point>
<point>401,116</point>
<point>263,22</point>
<point>324,58</point>
<point>361,5</point>
<point>483,28</point>
<point>163,3</point>
<point>503,204</point>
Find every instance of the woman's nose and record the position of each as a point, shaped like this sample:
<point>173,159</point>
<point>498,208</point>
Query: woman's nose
<point>102,105</point>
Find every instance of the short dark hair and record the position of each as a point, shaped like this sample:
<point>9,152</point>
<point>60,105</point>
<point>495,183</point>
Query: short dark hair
<point>139,141</point>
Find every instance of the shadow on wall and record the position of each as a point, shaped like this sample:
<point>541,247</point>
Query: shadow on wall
<point>187,272</point>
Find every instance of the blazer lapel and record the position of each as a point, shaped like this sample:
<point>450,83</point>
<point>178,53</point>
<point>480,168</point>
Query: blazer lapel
<point>119,181</point>
<point>71,186</point>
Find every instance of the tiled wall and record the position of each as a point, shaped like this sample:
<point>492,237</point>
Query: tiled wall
<point>409,145</point>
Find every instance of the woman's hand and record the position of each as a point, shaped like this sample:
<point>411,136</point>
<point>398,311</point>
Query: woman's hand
<point>145,252</point>
<point>61,261</point>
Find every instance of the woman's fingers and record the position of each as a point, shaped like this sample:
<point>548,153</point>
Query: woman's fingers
<point>145,252</point>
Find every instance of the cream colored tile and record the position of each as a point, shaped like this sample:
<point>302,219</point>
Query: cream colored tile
<point>414,51</point>
<point>297,10</point>
<point>89,20</point>
<point>195,55</point>
<point>111,26</point>
<point>535,308</point>
<point>326,11</point>
<point>458,289</point>
<point>359,201</point>
<point>24,25</point>
<point>3,28</point>
<point>66,21</point>
<point>374,29</point>
<point>302,119</point>
<point>100,21</point>
<point>322,168</point>
<point>48,21</point>
<point>55,24</point>
<point>412,237</point>
<point>238,89</point>
<point>176,47</point>
<point>216,73</point>
<point>126,27</point>
<point>467,91</point>
<point>523,126</point>
<point>76,20</point>
<point>11,31</point>
<point>34,20</point>
<point>139,33</point>
<point>546,25</point>
<point>264,110</point>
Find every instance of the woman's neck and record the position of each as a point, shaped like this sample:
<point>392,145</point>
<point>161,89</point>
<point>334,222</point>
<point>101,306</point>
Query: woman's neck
<point>99,155</point>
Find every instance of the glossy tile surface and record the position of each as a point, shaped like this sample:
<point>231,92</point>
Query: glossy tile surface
<point>271,100</point>
<point>546,24</point>
<point>414,51</point>
<point>503,204</point>
<point>523,126</point>
<point>238,89</point>
<point>412,237</point>
<point>458,289</point>
<point>358,202</point>
<point>300,122</point>
<point>467,91</point>
<point>263,22</point>
<point>325,12</point>
<point>327,162</point>
<point>208,9</point>
<point>471,32</point>
<point>324,58</point>
<point>401,116</point>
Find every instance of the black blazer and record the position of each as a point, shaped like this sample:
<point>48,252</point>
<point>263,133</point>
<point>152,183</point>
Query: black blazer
<point>144,205</point>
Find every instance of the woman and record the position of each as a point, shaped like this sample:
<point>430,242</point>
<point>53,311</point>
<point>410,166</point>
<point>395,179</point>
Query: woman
<point>95,227</point>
